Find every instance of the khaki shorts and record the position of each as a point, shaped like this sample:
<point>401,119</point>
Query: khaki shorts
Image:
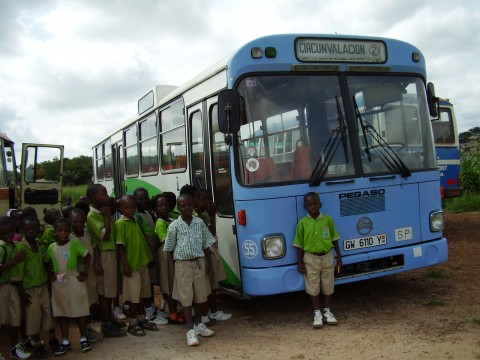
<point>107,282</point>
<point>166,271</point>
<point>319,274</point>
<point>218,269</point>
<point>38,314</point>
<point>137,286</point>
<point>191,281</point>
<point>10,308</point>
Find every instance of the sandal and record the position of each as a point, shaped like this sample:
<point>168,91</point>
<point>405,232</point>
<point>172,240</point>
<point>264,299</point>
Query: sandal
<point>175,318</point>
<point>136,330</point>
<point>147,325</point>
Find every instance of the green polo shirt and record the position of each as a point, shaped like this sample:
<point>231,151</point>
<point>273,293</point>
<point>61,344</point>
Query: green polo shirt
<point>145,222</point>
<point>31,271</point>
<point>129,234</point>
<point>316,235</point>
<point>161,229</point>
<point>96,227</point>
<point>48,236</point>
<point>6,253</point>
<point>65,257</point>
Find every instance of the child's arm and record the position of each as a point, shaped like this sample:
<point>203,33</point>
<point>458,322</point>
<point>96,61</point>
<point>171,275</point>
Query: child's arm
<point>208,255</point>
<point>123,258</point>
<point>301,264</point>
<point>84,274</point>
<point>339,256</point>
<point>13,261</point>
<point>97,263</point>
<point>107,218</point>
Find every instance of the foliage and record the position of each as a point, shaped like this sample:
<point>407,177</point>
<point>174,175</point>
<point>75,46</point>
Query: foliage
<point>77,171</point>
<point>470,172</point>
<point>468,202</point>
<point>75,192</point>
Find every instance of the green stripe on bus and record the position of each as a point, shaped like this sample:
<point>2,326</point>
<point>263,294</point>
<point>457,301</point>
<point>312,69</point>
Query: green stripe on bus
<point>231,279</point>
<point>132,184</point>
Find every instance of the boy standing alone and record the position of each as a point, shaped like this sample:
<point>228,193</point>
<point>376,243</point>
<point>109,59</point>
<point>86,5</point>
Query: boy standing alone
<point>315,237</point>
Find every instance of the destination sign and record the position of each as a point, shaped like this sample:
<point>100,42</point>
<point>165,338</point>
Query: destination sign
<point>340,50</point>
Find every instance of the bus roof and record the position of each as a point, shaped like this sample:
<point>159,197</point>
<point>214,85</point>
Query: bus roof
<point>5,137</point>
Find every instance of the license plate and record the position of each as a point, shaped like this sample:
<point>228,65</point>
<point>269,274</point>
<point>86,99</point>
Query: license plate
<point>365,242</point>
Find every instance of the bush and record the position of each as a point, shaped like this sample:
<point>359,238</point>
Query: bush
<point>470,172</point>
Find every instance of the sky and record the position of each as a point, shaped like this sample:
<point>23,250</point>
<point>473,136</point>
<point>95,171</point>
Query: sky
<point>72,71</point>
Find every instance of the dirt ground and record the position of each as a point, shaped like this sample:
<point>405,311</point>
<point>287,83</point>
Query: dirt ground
<point>431,313</point>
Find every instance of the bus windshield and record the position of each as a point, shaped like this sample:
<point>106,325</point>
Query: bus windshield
<point>294,124</point>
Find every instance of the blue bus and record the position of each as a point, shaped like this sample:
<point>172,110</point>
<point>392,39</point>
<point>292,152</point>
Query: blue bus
<point>282,116</point>
<point>447,147</point>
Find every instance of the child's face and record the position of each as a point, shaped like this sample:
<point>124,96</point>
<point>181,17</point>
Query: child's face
<point>312,204</point>
<point>78,222</point>
<point>128,208</point>
<point>7,232</point>
<point>162,207</point>
<point>142,199</point>
<point>100,198</point>
<point>201,201</point>
<point>31,229</point>
<point>185,205</point>
<point>52,216</point>
<point>62,231</point>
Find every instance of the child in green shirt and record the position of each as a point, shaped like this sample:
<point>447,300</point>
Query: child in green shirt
<point>134,256</point>
<point>315,237</point>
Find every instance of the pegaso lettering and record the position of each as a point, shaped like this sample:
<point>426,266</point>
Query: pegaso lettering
<point>330,48</point>
<point>359,194</point>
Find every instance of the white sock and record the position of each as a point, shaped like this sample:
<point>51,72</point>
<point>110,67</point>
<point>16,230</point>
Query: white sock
<point>326,309</point>
<point>317,312</point>
<point>205,319</point>
<point>83,338</point>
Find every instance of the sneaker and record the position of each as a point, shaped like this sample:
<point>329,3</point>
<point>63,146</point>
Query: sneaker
<point>118,314</point>
<point>329,318</point>
<point>192,339</point>
<point>62,349</point>
<point>150,312</point>
<point>317,321</point>
<point>40,351</point>
<point>85,345</point>
<point>54,344</point>
<point>93,335</point>
<point>27,344</point>
<point>203,330</point>
<point>162,313</point>
<point>148,325</point>
<point>219,316</point>
<point>1,357</point>
<point>110,331</point>
<point>19,352</point>
<point>159,320</point>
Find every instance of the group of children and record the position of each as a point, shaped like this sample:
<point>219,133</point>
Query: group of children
<point>84,257</point>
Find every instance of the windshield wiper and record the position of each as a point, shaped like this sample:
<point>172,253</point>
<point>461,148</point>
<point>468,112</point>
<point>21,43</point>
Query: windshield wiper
<point>389,157</point>
<point>337,136</point>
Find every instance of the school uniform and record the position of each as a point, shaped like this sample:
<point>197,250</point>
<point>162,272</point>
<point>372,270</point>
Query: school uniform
<point>107,282</point>
<point>10,309</point>
<point>69,296</point>
<point>34,278</point>
<point>166,266</point>
<point>138,256</point>
<point>91,281</point>
<point>188,243</point>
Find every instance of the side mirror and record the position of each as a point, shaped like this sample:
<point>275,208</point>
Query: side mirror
<point>229,111</point>
<point>433,101</point>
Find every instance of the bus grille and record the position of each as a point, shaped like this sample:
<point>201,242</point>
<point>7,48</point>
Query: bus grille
<point>362,205</point>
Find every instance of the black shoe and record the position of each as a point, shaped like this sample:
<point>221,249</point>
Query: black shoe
<point>54,344</point>
<point>85,345</point>
<point>62,349</point>
<point>40,351</point>
<point>111,331</point>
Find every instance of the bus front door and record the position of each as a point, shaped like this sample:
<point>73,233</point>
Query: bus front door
<point>41,177</point>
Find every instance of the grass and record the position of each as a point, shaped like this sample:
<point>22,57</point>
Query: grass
<point>75,192</point>
<point>438,274</point>
<point>476,321</point>
<point>468,202</point>
<point>433,302</point>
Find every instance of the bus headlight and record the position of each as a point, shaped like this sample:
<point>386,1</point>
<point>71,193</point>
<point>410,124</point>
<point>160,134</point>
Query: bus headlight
<point>437,222</point>
<point>273,246</point>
